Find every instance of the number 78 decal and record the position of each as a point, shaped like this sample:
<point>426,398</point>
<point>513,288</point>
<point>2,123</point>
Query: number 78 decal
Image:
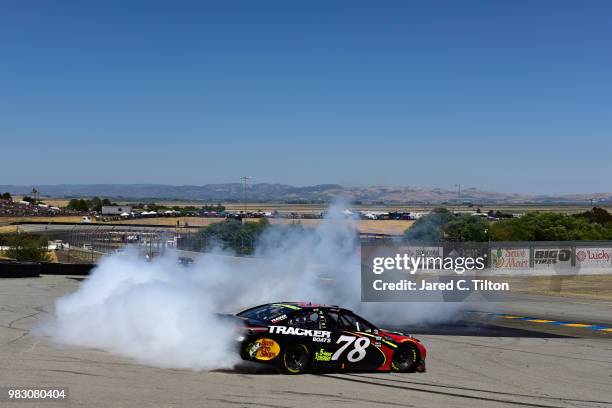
<point>357,353</point>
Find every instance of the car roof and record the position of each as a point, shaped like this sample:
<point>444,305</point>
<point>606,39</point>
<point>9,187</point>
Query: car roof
<point>295,305</point>
<point>305,305</point>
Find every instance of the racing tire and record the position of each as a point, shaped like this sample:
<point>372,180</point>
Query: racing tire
<point>405,359</point>
<point>295,359</point>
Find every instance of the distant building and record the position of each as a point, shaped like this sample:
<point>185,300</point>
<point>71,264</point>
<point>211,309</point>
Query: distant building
<point>116,209</point>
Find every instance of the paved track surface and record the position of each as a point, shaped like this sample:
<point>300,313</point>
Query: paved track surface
<point>474,364</point>
<point>554,308</point>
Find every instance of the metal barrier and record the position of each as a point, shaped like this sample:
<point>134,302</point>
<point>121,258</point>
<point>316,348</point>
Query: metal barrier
<point>19,270</point>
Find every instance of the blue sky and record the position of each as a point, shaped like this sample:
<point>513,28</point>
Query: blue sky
<point>506,96</point>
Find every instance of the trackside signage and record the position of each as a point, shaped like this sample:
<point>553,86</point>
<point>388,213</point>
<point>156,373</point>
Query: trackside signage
<point>393,271</point>
<point>403,273</point>
<point>554,257</point>
<point>594,257</point>
<point>510,258</point>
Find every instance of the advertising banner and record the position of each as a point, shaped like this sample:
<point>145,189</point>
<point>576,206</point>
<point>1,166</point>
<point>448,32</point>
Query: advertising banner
<point>549,258</point>
<point>594,257</point>
<point>509,258</point>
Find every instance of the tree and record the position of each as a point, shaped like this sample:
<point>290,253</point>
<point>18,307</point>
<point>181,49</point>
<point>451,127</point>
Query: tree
<point>24,247</point>
<point>442,225</point>
<point>467,229</point>
<point>596,215</point>
<point>538,226</point>
<point>29,199</point>
<point>430,227</point>
<point>7,196</point>
<point>95,204</point>
<point>233,234</point>
<point>78,205</point>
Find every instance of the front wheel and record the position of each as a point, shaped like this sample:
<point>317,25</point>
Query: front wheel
<point>296,359</point>
<point>405,359</point>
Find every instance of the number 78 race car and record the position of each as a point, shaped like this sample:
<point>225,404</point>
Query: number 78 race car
<point>298,337</point>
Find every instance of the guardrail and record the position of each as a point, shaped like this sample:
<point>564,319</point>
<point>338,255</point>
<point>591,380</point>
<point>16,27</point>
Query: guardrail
<point>19,269</point>
<point>14,269</point>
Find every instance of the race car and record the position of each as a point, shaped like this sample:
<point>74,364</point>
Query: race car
<point>298,337</point>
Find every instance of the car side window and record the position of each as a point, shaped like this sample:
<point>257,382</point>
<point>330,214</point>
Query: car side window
<point>349,321</point>
<point>329,320</point>
<point>305,320</point>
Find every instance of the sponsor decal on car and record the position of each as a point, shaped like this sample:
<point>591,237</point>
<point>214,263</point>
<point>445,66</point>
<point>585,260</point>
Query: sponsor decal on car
<point>323,355</point>
<point>279,318</point>
<point>292,307</point>
<point>297,331</point>
<point>264,349</point>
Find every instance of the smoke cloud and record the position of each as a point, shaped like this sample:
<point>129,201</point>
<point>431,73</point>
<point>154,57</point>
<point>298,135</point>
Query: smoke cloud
<point>164,314</point>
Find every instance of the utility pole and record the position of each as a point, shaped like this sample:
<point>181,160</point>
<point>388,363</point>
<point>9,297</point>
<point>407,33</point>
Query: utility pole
<point>458,195</point>
<point>245,184</point>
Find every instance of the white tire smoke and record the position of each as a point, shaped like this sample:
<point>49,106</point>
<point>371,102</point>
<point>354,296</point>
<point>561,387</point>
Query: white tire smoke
<point>164,314</point>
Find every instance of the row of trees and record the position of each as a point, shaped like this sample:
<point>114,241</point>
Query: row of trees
<point>443,226</point>
<point>82,205</point>
<point>595,224</point>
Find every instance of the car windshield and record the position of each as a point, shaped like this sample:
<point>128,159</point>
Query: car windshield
<point>266,313</point>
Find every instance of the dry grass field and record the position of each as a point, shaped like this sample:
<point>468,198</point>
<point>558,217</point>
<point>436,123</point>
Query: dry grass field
<point>390,227</point>
<point>68,218</point>
<point>577,286</point>
<point>172,221</point>
<point>317,208</point>
<point>8,229</point>
<point>571,286</point>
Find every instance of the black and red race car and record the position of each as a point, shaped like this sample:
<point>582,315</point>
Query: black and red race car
<point>298,337</point>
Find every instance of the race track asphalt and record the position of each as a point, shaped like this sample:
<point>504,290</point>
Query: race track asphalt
<point>473,363</point>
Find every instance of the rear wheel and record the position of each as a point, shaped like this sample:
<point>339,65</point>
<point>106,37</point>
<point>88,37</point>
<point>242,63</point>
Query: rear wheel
<point>405,359</point>
<point>296,358</point>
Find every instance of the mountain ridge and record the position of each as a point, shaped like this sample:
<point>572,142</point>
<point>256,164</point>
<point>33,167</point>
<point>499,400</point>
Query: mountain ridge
<point>277,192</point>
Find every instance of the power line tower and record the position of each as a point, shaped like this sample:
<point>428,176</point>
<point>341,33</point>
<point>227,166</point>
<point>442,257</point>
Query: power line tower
<point>245,186</point>
<point>458,195</point>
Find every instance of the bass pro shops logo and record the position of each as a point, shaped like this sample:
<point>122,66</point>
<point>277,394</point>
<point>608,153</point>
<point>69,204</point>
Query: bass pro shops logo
<point>551,256</point>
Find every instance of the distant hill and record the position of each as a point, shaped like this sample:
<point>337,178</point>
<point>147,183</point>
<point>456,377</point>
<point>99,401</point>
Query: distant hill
<point>266,192</point>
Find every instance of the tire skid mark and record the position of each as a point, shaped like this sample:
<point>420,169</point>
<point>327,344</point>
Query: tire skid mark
<point>444,393</point>
<point>343,398</point>
<point>486,391</point>
<point>10,325</point>
<point>527,351</point>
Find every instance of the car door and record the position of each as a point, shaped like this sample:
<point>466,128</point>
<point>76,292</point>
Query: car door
<point>351,347</point>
